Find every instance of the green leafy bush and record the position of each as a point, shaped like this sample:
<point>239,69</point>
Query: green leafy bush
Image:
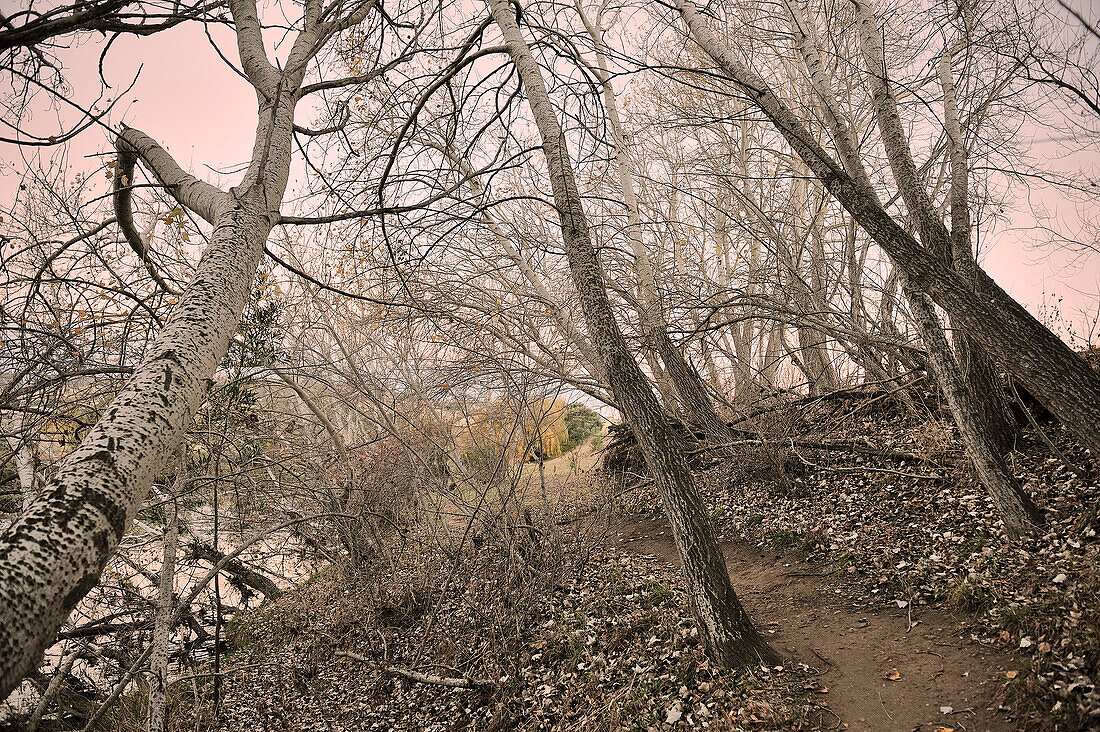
<point>581,423</point>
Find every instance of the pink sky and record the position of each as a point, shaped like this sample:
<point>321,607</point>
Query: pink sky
<point>204,114</point>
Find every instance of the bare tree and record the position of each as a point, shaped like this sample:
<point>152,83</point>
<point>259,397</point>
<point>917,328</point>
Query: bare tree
<point>729,635</point>
<point>53,554</point>
<point>1021,345</point>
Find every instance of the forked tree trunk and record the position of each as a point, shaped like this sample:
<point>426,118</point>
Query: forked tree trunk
<point>979,374</point>
<point>689,387</point>
<point>977,367</point>
<point>728,633</point>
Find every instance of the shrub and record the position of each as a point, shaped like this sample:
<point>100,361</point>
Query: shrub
<point>581,423</point>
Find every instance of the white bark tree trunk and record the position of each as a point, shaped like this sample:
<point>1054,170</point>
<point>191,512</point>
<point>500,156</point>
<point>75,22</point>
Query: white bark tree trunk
<point>25,468</point>
<point>54,554</point>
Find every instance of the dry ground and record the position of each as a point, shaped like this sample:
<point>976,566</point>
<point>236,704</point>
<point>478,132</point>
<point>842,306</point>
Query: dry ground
<point>879,669</point>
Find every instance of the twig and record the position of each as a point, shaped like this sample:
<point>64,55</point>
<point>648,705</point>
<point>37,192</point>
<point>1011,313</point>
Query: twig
<point>227,672</point>
<point>863,468</point>
<point>861,448</point>
<point>870,469</point>
<point>464,682</point>
<point>880,701</point>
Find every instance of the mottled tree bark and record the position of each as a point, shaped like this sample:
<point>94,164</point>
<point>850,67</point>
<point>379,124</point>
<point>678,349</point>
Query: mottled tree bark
<point>728,633</point>
<point>54,554</point>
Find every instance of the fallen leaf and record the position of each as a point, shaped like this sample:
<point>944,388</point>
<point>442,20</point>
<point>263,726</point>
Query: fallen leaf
<point>674,714</point>
<point>1010,674</point>
<point>945,729</point>
<point>946,710</point>
<point>892,675</point>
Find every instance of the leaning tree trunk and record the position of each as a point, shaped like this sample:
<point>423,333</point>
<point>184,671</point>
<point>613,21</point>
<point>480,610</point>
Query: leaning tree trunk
<point>1020,514</point>
<point>977,367</point>
<point>980,375</point>
<point>54,554</point>
<point>728,633</point>
<point>968,402</point>
<point>953,247</point>
<point>690,390</point>
<point>1059,378</point>
<point>689,386</point>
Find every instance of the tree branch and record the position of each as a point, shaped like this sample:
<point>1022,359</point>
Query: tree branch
<point>123,198</point>
<point>197,195</point>
<point>455,683</point>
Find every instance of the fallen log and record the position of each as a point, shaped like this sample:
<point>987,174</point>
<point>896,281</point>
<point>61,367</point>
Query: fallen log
<point>240,573</point>
<point>94,630</point>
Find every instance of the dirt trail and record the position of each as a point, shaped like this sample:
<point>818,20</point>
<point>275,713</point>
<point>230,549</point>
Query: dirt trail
<point>857,649</point>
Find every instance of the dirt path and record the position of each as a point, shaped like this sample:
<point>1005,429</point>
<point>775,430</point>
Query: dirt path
<point>857,650</point>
